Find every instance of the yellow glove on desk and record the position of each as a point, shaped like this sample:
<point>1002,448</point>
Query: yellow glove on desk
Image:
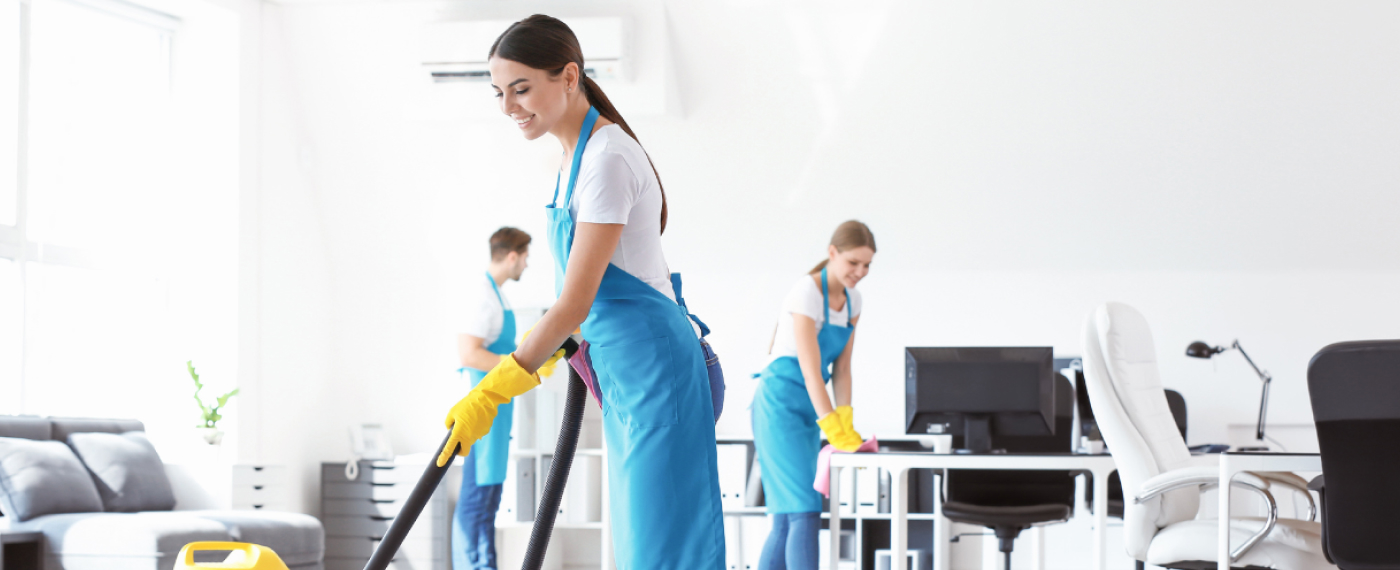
<point>836,433</point>
<point>845,413</point>
<point>471,417</point>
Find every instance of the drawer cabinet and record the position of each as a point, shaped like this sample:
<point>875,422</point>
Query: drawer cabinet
<point>259,487</point>
<point>356,514</point>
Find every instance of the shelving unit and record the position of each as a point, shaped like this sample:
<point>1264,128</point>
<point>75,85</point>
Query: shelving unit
<point>865,516</point>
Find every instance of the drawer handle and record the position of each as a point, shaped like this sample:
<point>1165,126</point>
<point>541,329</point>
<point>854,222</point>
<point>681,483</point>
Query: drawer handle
<point>257,506</point>
<point>381,484</point>
<point>381,501</point>
<point>376,538</point>
<point>257,487</point>
<point>256,468</point>
<point>380,518</point>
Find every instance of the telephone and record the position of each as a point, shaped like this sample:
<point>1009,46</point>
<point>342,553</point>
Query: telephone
<point>367,442</point>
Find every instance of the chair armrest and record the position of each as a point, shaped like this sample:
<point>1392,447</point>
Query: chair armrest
<point>1316,484</point>
<point>1201,477</point>
<point>1291,481</point>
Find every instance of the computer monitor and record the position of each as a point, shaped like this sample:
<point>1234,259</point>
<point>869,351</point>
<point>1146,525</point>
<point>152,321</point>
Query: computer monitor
<point>974,392</point>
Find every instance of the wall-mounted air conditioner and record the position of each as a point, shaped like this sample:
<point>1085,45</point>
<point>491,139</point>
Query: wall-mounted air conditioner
<point>456,51</point>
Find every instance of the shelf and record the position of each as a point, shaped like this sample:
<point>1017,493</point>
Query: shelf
<point>557,525</point>
<point>759,511</point>
<point>884,516</point>
<point>584,451</point>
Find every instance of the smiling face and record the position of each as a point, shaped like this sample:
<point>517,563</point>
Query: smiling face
<point>533,98</point>
<point>849,266</point>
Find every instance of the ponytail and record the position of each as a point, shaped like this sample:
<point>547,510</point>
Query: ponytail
<point>849,235</point>
<point>546,43</point>
<point>599,101</point>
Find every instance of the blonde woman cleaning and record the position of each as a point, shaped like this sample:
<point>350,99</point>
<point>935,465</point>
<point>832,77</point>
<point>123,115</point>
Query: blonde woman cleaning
<point>792,409</point>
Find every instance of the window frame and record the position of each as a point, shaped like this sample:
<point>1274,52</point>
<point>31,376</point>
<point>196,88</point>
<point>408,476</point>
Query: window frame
<point>15,244</point>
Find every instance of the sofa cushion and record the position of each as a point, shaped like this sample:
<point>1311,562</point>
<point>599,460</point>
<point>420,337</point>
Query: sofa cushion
<point>128,473</point>
<point>121,541</point>
<point>296,538</point>
<point>42,478</point>
<point>64,427</point>
<point>152,541</point>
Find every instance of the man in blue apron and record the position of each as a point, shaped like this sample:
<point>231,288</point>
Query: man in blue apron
<point>487,334</point>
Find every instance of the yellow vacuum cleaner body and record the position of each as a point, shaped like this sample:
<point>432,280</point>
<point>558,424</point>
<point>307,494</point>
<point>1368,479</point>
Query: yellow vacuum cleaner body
<point>241,555</point>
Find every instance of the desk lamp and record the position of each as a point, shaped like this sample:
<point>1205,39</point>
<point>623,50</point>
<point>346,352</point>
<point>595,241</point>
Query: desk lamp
<point>1200,349</point>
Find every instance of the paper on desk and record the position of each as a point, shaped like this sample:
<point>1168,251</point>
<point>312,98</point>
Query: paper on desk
<point>823,481</point>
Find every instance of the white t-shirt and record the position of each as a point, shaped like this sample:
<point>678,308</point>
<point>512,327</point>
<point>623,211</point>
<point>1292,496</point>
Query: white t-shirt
<point>805,298</point>
<point>616,185</point>
<point>484,314</point>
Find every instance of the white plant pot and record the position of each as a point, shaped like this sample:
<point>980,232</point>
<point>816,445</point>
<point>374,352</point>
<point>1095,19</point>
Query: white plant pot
<point>211,435</point>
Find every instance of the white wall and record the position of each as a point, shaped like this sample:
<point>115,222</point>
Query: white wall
<point>1226,168</point>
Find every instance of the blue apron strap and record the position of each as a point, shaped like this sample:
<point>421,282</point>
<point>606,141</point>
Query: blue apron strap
<point>680,300</point>
<point>583,134</point>
<point>848,307</point>
<point>492,280</point>
<point>826,302</point>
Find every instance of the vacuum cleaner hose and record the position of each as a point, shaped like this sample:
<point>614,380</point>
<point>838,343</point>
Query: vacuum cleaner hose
<point>549,504</point>
<point>558,472</point>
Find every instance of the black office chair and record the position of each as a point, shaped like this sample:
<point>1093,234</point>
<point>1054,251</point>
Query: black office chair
<point>1176,402</point>
<point>1009,502</point>
<point>1355,391</point>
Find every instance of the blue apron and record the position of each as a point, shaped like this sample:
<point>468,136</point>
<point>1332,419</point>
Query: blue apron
<point>492,451</point>
<point>659,421</point>
<point>785,432</point>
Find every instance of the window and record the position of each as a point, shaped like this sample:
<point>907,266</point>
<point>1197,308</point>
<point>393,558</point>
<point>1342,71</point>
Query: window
<point>99,100</point>
<point>10,42</point>
<point>110,262</point>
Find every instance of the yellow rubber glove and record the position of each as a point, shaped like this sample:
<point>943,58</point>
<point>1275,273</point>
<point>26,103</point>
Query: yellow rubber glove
<point>546,369</point>
<point>845,414</point>
<point>471,417</point>
<point>836,433</point>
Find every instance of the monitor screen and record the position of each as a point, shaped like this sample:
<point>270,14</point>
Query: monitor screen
<point>1010,389</point>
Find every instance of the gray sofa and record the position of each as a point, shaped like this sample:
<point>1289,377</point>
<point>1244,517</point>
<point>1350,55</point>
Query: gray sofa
<point>42,491</point>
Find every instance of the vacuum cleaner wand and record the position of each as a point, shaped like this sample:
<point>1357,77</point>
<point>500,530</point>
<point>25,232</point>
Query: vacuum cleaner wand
<point>549,500</point>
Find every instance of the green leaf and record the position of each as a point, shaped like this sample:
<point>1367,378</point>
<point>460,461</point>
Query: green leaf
<point>223,400</point>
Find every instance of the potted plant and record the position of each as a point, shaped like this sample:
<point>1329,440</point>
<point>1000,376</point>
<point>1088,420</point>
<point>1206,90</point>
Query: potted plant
<point>210,414</point>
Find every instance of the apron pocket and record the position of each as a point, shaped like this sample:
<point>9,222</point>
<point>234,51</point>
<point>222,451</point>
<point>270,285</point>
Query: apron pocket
<point>638,380</point>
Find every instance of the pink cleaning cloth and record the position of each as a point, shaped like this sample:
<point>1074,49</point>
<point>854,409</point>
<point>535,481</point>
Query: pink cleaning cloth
<point>823,481</point>
<point>583,365</point>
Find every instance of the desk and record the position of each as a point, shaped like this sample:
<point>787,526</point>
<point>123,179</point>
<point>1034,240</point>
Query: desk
<point>899,464</point>
<point>1231,464</point>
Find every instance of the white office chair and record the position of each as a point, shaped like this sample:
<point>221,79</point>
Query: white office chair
<point>1162,494</point>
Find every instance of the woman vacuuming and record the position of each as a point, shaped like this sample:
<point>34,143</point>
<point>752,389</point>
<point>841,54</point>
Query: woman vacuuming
<point>605,225</point>
<point>791,410</point>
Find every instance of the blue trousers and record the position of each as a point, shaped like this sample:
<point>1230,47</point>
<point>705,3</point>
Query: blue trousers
<point>792,544</point>
<point>474,522</point>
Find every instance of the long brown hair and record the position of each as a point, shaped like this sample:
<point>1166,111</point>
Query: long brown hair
<point>849,235</point>
<point>545,43</point>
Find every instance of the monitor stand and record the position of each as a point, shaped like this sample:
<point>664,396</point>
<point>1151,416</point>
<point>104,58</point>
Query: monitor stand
<point>977,435</point>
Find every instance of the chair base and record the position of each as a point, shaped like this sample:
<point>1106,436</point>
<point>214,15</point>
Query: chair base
<point>1204,565</point>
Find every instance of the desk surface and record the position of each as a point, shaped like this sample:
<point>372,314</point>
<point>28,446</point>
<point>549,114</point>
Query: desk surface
<point>928,460</point>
